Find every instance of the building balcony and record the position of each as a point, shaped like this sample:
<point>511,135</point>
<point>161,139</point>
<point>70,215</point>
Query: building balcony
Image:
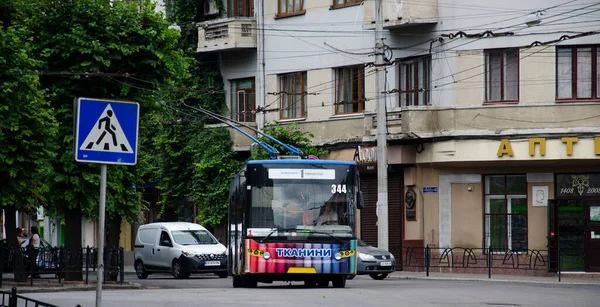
<point>233,33</point>
<point>402,13</point>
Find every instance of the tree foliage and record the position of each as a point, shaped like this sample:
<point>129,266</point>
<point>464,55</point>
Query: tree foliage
<point>98,49</point>
<point>193,160</point>
<point>26,125</point>
<point>288,134</point>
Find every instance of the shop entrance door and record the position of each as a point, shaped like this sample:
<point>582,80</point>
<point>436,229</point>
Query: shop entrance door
<point>566,225</point>
<point>592,235</point>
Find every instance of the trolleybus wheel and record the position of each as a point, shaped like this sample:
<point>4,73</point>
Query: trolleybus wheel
<point>324,283</point>
<point>237,282</point>
<point>250,282</point>
<point>339,281</point>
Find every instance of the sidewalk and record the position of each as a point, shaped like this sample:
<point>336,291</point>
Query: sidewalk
<point>566,278</point>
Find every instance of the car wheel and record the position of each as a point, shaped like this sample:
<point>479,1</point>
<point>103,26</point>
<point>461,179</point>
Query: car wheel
<point>339,281</point>
<point>140,270</point>
<point>177,270</point>
<point>379,276</point>
<point>349,277</point>
<point>222,274</point>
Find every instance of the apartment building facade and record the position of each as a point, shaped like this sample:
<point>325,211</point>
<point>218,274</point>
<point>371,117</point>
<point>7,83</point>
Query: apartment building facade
<point>493,136</point>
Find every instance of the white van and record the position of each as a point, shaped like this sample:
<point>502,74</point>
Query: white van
<point>180,248</point>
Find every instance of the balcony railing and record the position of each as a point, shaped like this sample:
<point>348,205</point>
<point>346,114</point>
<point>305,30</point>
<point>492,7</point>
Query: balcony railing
<point>401,13</point>
<point>227,34</point>
<point>393,123</point>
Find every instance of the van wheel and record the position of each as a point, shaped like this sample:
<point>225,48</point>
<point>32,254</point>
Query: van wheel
<point>177,270</point>
<point>222,274</point>
<point>140,270</point>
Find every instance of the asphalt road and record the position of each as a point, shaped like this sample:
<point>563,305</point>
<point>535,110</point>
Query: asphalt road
<point>362,291</point>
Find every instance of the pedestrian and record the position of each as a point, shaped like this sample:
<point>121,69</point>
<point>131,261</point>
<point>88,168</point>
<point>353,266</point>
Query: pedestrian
<point>32,250</point>
<point>19,236</point>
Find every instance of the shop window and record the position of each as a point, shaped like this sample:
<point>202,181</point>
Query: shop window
<point>350,89</point>
<point>293,96</point>
<point>506,213</point>
<point>577,72</point>
<point>502,75</point>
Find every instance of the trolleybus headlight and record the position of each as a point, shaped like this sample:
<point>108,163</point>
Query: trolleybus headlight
<point>266,255</point>
<point>338,256</point>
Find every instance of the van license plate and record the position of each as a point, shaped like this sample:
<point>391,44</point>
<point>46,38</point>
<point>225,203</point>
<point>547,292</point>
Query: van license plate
<point>212,263</point>
<point>385,263</point>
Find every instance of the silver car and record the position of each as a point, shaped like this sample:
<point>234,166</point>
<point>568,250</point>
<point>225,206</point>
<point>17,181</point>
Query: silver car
<point>375,262</point>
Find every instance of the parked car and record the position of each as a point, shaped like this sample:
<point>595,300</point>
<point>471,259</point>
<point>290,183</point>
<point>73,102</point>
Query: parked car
<point>180,248</point>
<point>375,262</point>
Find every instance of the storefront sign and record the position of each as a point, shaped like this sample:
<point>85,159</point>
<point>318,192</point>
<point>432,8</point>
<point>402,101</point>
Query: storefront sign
<point>365,154</point>
<point>578,185</point>
<point>538,146</point>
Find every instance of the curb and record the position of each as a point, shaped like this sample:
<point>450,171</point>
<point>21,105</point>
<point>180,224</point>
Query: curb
<point>495,280</point>
<point>129,286</point>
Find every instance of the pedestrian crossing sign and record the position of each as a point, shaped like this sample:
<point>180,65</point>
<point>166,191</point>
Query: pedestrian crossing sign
<point>106,131</point>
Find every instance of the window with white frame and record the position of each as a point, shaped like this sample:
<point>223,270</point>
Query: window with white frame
<point>415,81</point>
<point>506,213</point>
<point>350,89</point>
<point>293,95</point>
<point>243,100</point>
<point>577,73</point>
<point>502,75</point>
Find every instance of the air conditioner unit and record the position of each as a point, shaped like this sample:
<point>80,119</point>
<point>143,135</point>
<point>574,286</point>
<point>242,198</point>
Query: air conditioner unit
<point>210,7</point>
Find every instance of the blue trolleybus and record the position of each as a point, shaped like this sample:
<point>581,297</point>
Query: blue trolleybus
<point>293,220</point>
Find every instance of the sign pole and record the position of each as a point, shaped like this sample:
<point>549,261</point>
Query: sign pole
<point>100,271</point>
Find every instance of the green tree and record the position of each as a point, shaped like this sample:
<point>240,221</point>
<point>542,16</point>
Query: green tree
<point>107,50</point>
<point>288,134</point>
<point>26,126</point>
<point>193,160</point>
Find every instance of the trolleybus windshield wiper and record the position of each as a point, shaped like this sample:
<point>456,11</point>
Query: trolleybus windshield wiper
<point>279,228</point>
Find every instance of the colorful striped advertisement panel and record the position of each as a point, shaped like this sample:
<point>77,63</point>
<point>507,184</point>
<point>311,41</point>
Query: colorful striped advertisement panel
<point>282,258</point>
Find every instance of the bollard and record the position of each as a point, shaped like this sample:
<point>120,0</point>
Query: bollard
<point>1,265</point>
<point>122,263</point>
<point>490,262</point>
<point>427,256</point>
<point>87,264</point>
<point>558,266</point>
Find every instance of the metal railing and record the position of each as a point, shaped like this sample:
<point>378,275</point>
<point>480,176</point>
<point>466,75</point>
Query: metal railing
<point>488,260</point>
<point>12,299</point>
<point>57,262</point>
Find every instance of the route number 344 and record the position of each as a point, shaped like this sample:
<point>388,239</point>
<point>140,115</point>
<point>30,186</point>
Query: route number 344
<point>338,188</point>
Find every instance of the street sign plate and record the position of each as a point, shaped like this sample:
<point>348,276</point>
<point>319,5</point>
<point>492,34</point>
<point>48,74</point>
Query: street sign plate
<point>430,189</point>
<point>106,131</point>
